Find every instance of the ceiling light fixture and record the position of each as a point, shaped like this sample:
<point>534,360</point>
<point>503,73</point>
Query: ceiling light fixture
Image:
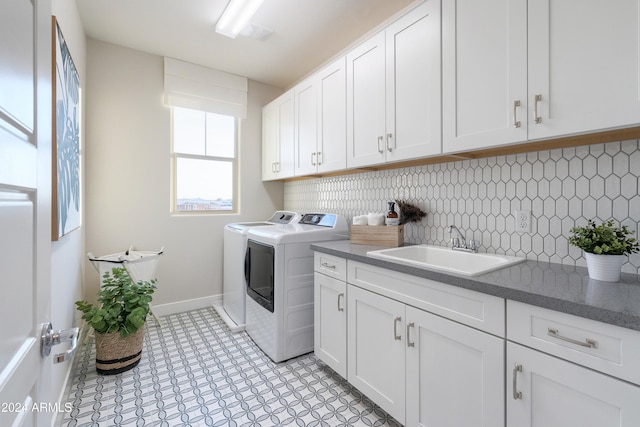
<point>236,16</point>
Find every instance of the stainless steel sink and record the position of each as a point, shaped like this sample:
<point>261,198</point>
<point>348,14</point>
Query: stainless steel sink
<point>446,259</point>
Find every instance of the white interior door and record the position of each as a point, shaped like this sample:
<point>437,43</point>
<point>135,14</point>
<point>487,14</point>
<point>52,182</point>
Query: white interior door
<point>25,212</point>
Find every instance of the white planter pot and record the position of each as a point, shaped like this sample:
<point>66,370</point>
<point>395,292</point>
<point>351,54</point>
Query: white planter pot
<point>605,267</point>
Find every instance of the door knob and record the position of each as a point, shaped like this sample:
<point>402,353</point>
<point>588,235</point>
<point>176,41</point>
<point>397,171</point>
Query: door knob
<point>49,338</point>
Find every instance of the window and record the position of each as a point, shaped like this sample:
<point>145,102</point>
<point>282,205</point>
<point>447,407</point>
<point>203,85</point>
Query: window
<point>204,162</point>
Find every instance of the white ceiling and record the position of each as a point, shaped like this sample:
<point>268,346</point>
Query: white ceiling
<point>306,33</point>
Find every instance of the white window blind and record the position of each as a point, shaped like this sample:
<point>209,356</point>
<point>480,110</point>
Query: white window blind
<point>195,87</point>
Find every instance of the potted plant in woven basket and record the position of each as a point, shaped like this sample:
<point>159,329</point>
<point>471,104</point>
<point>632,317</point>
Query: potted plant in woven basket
<point>605,247</point>
<point>118,320</point>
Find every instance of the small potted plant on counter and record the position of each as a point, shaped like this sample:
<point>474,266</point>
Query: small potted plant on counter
<point>605,248</point>
<point>118,320</point>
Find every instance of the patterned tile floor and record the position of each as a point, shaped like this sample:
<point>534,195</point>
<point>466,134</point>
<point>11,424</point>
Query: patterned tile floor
<point>195,372</point>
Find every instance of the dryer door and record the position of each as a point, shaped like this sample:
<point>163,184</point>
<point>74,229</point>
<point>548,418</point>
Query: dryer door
<point>259,273</point>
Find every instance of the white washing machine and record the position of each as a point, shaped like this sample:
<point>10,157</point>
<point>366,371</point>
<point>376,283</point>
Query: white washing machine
<point>232,308</point>
<point>279,277</point>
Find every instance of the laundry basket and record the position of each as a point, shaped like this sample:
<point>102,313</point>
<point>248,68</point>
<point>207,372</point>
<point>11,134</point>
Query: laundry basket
<point>141,265</point>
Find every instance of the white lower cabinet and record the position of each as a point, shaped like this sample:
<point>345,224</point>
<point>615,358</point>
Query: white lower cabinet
<point>329,311</point>
<point>544,391</point>
<point>434,355</point>
<point>454,374</point>
<point>330,322</point>
<point>565,370</point>
<point>375,349</point>
<point>422,369</point>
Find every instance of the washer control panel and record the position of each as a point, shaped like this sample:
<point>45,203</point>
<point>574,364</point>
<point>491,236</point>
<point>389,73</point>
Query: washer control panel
<point>319,219</point>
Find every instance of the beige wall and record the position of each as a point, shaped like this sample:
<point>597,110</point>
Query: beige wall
<point>68,254</point>
<point>128,176</point>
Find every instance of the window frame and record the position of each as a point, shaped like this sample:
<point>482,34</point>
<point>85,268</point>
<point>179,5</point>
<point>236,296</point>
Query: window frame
<point>235,204</point>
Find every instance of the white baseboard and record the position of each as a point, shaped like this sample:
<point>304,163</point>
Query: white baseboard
<point>186,305</point>
<point>233,326</point>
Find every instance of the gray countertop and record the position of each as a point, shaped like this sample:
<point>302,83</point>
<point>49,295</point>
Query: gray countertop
<point>557,287</point>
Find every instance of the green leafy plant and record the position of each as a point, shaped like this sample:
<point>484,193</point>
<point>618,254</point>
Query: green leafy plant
<point>122,306</point>
<point>604,239</point>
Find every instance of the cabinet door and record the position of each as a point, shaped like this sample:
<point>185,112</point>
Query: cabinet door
<point>366,103</point>
<point>413,97</point>
<point>376,353</point>
<point>484,73</point>
<point>332,120</point>
<point>584,64</point>
<point>286,134</point>
<point>270,141</point>
<point>306,130</point>
<point>330,322</point>
<point>558,393</point>
<point>455,374</point>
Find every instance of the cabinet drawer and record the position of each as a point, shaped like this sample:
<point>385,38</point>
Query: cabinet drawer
<point>330,265</point>
<point>606,348</point>
<point>475,309</point>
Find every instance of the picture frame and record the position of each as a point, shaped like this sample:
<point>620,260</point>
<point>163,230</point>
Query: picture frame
<point>65,161</point>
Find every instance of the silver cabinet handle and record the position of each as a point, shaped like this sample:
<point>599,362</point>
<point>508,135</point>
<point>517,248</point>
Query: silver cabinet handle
<point>516,104</point>
<point>395,328</point>
<point>409,342</point>
<point>327,265</point>
<point>516,394</point>
<point>588,342</point>
<point>313,160</point>
<point>389,136</point>
<point>380,150</point>
<point>340,297</point>
<point>537,118</point>
<point>319,158</point>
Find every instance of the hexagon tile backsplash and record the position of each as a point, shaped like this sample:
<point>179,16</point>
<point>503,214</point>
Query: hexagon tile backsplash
<point>561,188</point>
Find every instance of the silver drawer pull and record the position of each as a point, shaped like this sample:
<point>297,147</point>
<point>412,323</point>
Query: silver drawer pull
<point>395,328</point>
<point>536,117</point>
<point>516,104</point>
<point>325,265</point>
<point>588,342</point>
<point>409,342</point>
<point>516,394</point>
<point>340,297</point>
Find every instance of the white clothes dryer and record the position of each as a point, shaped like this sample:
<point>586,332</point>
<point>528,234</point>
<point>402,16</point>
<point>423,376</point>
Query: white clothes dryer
<point>279,277</point>
<point>232,308</point>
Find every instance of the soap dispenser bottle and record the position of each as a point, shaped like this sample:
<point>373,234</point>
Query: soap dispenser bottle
<point>392,216</point>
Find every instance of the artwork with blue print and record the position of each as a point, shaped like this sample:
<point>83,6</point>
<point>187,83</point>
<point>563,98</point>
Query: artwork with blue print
<point>66,133</point>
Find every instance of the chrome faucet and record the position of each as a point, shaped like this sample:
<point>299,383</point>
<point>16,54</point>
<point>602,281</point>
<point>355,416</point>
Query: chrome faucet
<point>459,243</point>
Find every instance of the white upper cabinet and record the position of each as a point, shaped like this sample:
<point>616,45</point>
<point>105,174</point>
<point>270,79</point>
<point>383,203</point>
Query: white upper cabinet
<point>366,103</point>
<point>484,73</point>
<point>321,144</point>
<point>278,138</point>
<point>270,142</point>
<point>584,66</point>
<point>516,71</point>
<point>393,91</point>
<point>306,129</point>
<point>332,117</point>
<point>413,97</point>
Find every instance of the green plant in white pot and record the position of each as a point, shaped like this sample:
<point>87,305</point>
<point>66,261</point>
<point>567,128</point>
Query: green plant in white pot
<point>118,320</point>
<point>605,247</point>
